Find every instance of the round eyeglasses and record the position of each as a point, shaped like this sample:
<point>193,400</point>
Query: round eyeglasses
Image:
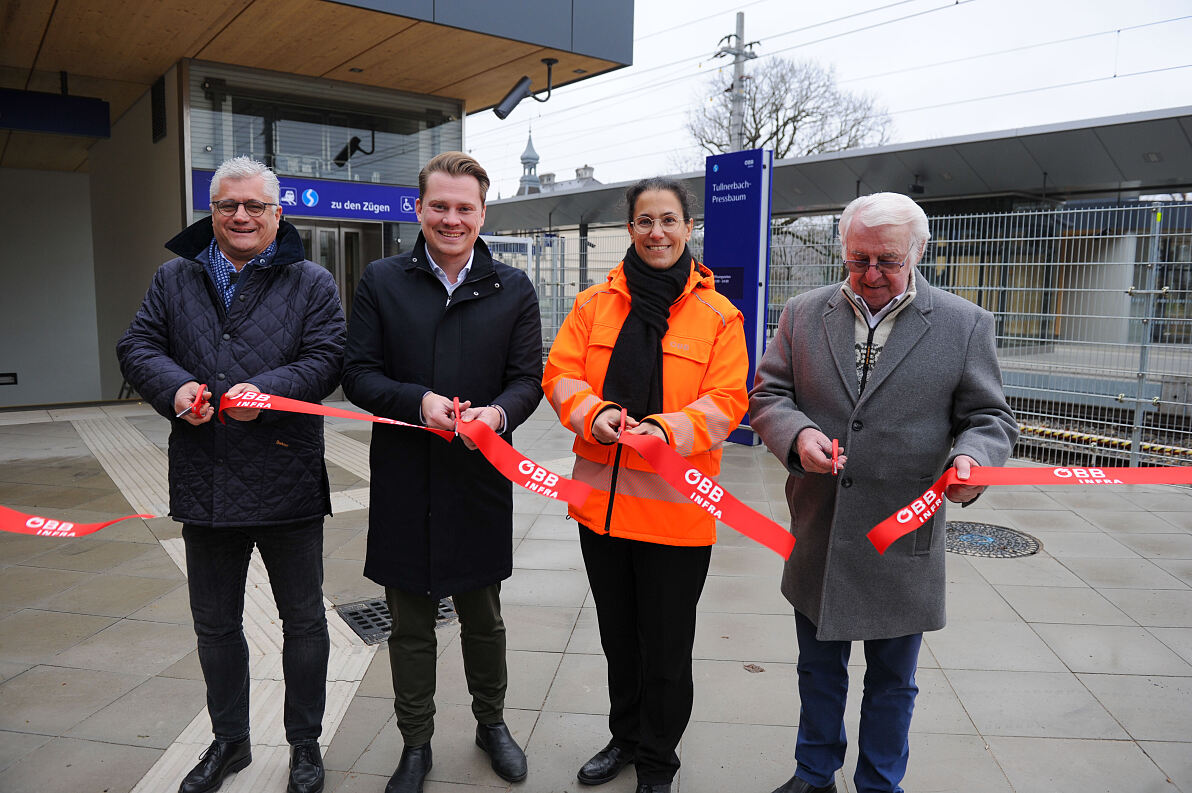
<point>229,207</point>
<point>645,224</point>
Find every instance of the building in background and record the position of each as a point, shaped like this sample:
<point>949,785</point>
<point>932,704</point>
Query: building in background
<point>113,117</point>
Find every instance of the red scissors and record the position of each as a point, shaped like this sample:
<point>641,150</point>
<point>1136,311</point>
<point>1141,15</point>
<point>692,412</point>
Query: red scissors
<point>196,407</point>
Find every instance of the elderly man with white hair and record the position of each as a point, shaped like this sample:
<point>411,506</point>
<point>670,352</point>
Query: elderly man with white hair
<point>905,376</point>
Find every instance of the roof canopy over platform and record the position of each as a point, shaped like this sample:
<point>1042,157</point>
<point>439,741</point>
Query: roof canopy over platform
<point>1122,156</point>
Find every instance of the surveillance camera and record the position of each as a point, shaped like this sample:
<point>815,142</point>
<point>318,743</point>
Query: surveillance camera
<point>515,95</point>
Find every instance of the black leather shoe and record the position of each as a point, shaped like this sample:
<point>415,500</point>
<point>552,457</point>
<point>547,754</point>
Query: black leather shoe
<point>662,787</point>
<point>412,769</point>
<point>605,765</point>
<point>220,759</point>
<point>306,768</point>
<point>797,785</point>
<point>508,759</point>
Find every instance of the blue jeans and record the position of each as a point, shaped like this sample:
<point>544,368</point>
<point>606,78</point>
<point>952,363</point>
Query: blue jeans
<point>217,568</point>
<point>886,708</point>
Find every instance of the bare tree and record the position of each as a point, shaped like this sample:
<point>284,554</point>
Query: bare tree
<point>793,107</point>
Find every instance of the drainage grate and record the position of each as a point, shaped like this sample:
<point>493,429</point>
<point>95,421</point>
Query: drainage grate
<point>985,539</point>
<point>371,621</point>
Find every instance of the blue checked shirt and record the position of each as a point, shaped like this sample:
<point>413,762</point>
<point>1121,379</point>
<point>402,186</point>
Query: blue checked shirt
<point>223,272</point>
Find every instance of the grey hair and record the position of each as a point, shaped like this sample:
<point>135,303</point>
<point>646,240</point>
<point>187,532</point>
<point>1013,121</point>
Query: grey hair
<point>887,209</point>
<point>246,168</point>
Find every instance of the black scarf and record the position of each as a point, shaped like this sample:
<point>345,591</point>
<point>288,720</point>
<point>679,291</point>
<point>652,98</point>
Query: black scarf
<point>634,377</point>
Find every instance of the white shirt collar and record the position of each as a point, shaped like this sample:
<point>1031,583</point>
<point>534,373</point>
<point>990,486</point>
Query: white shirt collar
<point>441,274</point>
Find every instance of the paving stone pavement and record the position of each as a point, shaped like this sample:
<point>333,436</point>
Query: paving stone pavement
<point>1065,672</point>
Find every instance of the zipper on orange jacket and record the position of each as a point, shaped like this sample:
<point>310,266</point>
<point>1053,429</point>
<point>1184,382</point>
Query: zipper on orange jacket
<point>612,490</point>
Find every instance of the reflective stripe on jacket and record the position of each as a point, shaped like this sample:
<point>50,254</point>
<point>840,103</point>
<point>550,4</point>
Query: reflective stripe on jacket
<point>704,368</point>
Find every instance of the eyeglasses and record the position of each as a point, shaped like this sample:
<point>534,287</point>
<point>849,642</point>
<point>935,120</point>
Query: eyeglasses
<point>644,224</point>
<point>229,207</point>
<point>861,266</point>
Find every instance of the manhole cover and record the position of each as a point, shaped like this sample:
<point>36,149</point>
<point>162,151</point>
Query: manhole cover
<point>985,539</point>
<point>371,621</point>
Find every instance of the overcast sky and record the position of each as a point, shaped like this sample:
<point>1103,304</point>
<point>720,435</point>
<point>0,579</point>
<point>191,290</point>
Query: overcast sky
<point>940,68</point>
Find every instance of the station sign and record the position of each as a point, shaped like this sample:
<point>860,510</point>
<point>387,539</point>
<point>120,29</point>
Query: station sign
<point>324,198</point>
<point>737,200</point>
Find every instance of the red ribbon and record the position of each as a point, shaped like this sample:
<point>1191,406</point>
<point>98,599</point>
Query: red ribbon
<point>20,523</point>
<point>921,510</point>
<point>521,470</point>
<point>703,491</point>
<point>252,399</point>
<point>514,466</point>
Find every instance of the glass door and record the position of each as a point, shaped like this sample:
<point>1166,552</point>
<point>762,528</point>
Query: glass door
<point>343,249</point>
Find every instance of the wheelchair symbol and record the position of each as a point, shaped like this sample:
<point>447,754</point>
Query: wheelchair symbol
<point>407,204</point>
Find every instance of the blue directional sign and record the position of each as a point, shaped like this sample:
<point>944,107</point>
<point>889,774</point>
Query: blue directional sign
<point>324,198</point>
<point>737,200</point>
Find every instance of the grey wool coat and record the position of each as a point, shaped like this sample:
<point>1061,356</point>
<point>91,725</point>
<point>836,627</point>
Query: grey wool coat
<point>935,393</point>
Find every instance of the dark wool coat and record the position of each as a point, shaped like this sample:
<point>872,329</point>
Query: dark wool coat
<point>440,516</point>
<point>284,333</point>
<point>935,393</point>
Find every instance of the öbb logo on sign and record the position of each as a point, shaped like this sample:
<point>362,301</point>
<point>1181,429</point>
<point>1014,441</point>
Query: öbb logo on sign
<point>251,399</point>
<point>921,508</point>
<point>48,527</point>
<point>1086,476</point>
<point>707,493</point>
<point>540,480</point>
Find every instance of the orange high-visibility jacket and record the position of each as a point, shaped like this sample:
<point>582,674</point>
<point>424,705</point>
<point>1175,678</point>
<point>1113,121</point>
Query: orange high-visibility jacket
<point>704,368</point>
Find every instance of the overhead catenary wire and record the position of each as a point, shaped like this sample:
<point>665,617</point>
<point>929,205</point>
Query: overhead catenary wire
<point>549,118</point>
<point>676,73</point>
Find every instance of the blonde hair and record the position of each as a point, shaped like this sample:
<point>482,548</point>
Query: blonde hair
<point>454,163</point>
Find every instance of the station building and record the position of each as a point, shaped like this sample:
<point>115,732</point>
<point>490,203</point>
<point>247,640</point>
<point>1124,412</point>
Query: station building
<point>113,116</point>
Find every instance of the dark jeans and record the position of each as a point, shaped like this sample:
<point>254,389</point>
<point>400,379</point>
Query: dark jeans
<point>645,596</point>
<point>216,567</point>
<point>412,657</point>
<point>886,708</point>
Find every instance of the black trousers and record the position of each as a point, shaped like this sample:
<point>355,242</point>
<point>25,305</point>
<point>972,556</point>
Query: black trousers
<point>645,597</point>
<point>413,653</point>
<point>216,569</point>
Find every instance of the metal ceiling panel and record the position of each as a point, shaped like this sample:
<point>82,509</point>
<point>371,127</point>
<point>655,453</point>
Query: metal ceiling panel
<point>1072,157</point>
<point>1004,164</point>
<point>1151,152</point>
<point>942,172</point>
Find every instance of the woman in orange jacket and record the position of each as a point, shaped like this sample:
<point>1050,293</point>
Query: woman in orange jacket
<point>658,341</point>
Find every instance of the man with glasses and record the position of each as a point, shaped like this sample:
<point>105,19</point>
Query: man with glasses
<point>241,309</point>
<point>905,377</point>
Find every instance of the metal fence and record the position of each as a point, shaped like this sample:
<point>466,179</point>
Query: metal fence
<point>1093,308</point>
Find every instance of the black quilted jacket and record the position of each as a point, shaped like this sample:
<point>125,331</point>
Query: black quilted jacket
<point>284,334</point>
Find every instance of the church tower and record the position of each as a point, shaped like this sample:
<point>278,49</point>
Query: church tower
<point>529,183</point>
